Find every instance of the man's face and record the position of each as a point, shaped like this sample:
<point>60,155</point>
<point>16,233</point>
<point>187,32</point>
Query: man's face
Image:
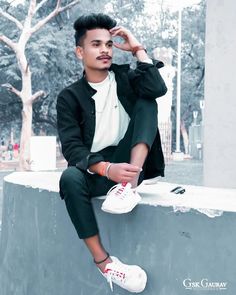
<point>96,50</point>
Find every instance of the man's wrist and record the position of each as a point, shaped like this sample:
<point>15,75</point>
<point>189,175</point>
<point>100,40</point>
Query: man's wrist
<point>137,48</point>
<point>140,52</point>
<point>98,168</point>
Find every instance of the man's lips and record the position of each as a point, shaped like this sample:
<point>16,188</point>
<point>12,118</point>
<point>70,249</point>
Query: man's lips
<point>104,57</point>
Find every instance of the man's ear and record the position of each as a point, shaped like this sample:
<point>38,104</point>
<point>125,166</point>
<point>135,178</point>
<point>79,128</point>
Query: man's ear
<point>79,52</point>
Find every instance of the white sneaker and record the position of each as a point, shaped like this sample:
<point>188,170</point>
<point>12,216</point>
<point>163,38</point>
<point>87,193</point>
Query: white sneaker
<point>130,277</point>
<point>121,198</point>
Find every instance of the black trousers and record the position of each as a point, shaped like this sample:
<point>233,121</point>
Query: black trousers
<point>78,187</point>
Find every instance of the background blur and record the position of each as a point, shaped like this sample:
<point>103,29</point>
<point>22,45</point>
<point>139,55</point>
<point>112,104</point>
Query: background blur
<point>50,53</point>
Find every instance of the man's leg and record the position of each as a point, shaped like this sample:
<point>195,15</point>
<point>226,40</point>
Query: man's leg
<point>133,149</point>
<point>76,190</point>
<point>99,254</point>
<point>139,137</point>
<point>138,156</point>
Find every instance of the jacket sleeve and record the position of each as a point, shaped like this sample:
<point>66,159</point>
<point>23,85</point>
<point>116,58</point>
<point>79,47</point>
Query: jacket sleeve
<point>146,80</point>
<point>69,131</point>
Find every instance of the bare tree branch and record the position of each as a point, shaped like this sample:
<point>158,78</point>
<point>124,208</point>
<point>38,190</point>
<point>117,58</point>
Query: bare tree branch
<point>8,42</point>
<point>12,89</point>
<point>40,5</point>
<point>58,4</point>
<point>11,18</point>
<point>32,7</point>
<point>37,95</point>
<point>68,6</point>
<point>58,9</point>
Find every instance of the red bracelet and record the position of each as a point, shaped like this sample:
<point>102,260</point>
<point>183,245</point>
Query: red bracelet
<point>102,170</point>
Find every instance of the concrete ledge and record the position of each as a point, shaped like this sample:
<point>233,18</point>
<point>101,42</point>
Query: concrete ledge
<point>173,237</point>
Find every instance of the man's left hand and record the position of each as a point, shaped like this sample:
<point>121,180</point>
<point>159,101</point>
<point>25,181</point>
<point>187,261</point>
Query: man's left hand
<point>129,40</point>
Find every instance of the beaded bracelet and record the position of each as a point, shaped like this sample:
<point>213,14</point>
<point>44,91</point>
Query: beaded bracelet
<point>99,262</point>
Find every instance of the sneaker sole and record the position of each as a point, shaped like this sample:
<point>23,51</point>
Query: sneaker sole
<point>126,210</point>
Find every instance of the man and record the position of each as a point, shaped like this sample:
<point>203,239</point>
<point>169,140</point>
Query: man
<point>107,124</point>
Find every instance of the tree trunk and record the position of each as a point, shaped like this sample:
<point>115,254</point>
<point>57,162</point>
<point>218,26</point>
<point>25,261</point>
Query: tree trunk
<point>26,127</point>
<point>185,137</point>
<point>24,160</point>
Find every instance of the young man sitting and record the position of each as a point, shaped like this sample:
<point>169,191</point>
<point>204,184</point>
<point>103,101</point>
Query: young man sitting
<point>107,124</point>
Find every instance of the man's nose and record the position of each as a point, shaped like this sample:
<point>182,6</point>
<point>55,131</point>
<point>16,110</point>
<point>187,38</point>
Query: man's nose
<point>104,48</point>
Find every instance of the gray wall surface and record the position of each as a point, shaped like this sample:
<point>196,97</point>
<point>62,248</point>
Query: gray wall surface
<point>40,253</point>
<point>220,95</point>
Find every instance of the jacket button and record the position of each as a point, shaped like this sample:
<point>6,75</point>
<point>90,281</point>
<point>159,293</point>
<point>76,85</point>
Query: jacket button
<point>93,112</point>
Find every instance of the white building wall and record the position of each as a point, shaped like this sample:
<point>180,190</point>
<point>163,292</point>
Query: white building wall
<point>220,95</point>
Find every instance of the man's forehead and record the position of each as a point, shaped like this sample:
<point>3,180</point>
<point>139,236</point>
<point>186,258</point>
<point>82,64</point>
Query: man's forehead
<point>98,34</point>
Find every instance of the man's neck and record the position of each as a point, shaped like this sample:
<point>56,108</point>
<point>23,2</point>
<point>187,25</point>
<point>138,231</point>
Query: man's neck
<point>95,76</point>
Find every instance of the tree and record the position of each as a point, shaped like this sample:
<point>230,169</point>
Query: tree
<point>27,29</point>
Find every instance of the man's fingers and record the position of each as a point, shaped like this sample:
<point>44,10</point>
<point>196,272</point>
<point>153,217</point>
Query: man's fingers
<point>118,45</point>
<point>115,28</point>
<point>130,174</point>
<point>119,31</point>
<point>132,168</point>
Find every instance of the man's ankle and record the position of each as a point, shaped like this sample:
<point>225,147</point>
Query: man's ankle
<point>102,266</point>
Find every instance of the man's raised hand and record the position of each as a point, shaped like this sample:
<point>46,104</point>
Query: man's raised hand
<point>130,41</point>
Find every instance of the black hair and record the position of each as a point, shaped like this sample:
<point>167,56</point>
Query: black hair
<point>90,22</point>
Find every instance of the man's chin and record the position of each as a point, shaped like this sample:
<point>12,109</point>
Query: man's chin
<point>106,68</point>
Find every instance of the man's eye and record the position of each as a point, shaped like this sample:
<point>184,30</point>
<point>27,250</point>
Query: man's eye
<point>109,45</point>
<point>95,44</point>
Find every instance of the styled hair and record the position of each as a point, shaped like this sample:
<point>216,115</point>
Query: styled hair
<point>90,22</point>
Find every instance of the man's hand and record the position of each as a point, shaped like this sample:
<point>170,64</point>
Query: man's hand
<point>118,172</point>
<point>123,172</point>
<point>129,40</point>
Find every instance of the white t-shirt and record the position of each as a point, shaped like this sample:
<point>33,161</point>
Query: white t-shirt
<point>111,118</point>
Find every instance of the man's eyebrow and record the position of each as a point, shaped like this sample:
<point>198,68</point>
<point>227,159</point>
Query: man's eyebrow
<point>99,41</point>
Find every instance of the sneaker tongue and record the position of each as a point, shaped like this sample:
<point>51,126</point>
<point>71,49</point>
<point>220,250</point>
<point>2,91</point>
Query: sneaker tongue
<point>126,184</point>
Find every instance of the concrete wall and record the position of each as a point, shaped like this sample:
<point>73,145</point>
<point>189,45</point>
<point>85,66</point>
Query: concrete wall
<point>166,234</point>
<point>220,95</point>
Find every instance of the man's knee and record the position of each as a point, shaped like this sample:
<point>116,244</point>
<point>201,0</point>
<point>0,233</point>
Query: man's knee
<point>71,179</point>
<point>71,175</point>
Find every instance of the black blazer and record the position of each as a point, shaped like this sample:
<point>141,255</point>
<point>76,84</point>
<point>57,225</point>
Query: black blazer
<point>76,114</point>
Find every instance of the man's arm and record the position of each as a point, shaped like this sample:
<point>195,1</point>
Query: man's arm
<point>69,131</point>
<point>146,80</point>
<point>77,154</point>
<point>130,43</point>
